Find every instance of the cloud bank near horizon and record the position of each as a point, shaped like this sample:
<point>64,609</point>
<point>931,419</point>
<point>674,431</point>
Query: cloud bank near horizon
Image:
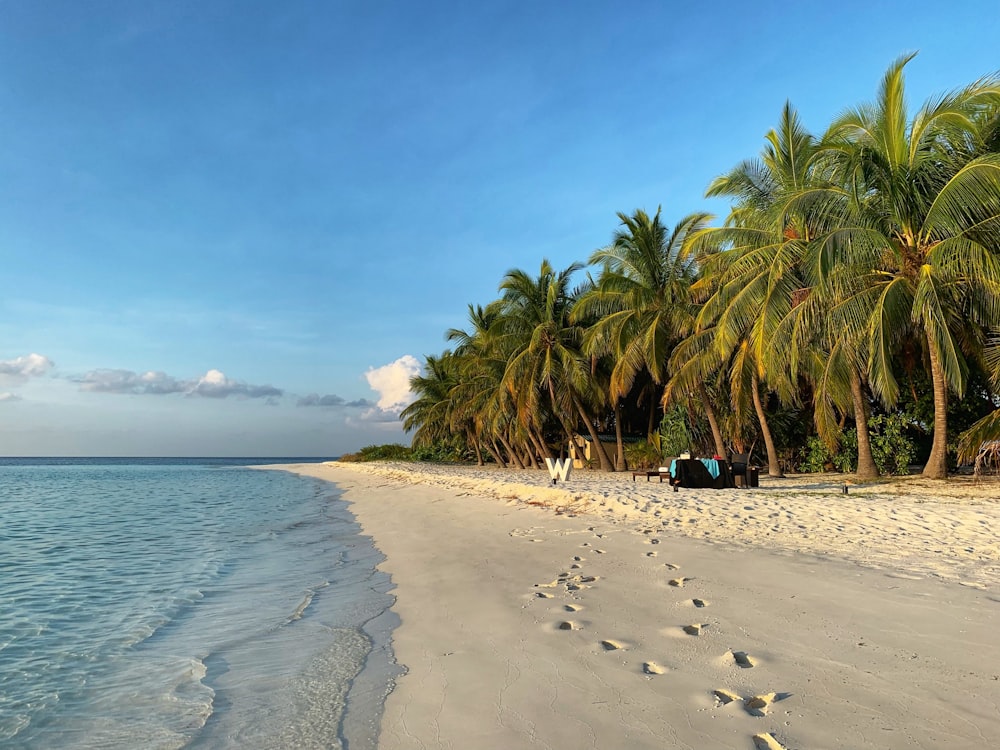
<point>330,400</point>
<point>213,384</point>
<point>391,382</point>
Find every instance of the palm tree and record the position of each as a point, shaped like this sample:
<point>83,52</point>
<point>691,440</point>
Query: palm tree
<point>480,392</point>
<point>547,371</point>
<point>911,232</point>
<point>641,302</point>
<point>768,289</point>
<point>430,415</point>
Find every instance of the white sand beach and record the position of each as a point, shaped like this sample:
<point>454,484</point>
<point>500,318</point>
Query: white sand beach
<point>607,613</point>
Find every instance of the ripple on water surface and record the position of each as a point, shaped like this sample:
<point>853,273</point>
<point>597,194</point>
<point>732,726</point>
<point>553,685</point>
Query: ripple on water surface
<point>170,605</point>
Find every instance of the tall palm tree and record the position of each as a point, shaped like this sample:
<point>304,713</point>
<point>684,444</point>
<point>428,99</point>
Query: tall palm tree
<point>768,289</point>
<point>913,232</point>
<point>547,371</point>
<point>641,301</point>
<point>480,391</point>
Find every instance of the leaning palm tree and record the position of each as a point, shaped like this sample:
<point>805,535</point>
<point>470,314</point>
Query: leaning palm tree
<point>430,414</point>
<point>547,371</point>
<point>912,232</point>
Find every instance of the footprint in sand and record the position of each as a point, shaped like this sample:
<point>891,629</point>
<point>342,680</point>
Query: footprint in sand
<point>571,608</point>
<point>679,582</point>
<point>651,554</point>
<point>671,566</point>
<point>725,697</point>
<point>577,558</point>
<point>611,645</point>
<point>699,603</point>
<point>575,566</point>
<point>759,704</point>
<point>766,741</point>
<point>694,629</point>
<point>651,667</point>
<point>599,551</point>
<point>543,595</point>
<point>743,660</point>
<point>568,625</point>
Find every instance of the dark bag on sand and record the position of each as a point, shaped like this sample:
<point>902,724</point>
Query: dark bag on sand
<point>693,473</point>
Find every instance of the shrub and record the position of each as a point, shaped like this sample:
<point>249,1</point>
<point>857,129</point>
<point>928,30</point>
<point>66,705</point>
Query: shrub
<point>814,457</point>
<point>675,436</point>
<point>444,451</point>
<point>642,455</point>
<point>846,457</point>
<point>892,449</point>
<point>391,452</point>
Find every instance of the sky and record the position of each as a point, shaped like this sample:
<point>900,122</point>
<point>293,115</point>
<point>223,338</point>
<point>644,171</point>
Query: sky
<point>236,228</point>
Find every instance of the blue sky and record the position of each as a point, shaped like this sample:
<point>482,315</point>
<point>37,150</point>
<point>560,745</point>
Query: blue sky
<point>235,228</point>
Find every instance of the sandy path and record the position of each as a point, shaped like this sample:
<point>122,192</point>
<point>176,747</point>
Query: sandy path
<point>948,530</point>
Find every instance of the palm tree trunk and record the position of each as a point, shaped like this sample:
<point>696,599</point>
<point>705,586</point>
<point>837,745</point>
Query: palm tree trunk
<point>773,465</point>
<point>937,462</point>
<point>602,454</point>
<point>543,449</point>
<point>651,424</point>
<point>511,453</point>
<point>620,463</point>
<point>570,437</point>
<point>529,457</point>
<point>470,438</point>
<point>706,402</point>
<point>494,450</point>
<point>866,462</point>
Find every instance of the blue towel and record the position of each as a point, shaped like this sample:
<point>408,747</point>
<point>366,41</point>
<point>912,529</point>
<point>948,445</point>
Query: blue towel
<point>712,465</point>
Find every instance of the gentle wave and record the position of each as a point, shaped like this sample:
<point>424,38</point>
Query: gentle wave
<point>169,605</point>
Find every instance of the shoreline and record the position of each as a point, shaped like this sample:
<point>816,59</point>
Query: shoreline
<point>607,613</point>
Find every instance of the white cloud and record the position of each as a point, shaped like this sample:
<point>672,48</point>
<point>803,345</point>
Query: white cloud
<point>9,397</point>
<point>19,369</point>
<point>392,383</point>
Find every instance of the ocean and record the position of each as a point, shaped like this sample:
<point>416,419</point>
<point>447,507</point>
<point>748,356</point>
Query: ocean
<point>186,603</point>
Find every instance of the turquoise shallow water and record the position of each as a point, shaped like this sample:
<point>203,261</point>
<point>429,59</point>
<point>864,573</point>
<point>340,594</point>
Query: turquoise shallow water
<point>185,603</point>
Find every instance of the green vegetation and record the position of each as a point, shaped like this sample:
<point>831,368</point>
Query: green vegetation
<point>845,315</point>
<point>892,448</point>
<point>392,452</point>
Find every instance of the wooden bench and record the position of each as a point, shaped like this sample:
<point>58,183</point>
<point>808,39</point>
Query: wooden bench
<point>649,474</point>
